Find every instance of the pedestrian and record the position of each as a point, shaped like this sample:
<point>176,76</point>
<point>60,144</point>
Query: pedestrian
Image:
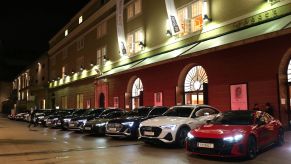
<point>269,109</point>
<point>256,107</point>
<point>32,118</point>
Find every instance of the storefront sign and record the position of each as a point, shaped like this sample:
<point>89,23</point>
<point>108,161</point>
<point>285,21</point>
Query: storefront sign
<point>120,27</point>
<point>172,16</point>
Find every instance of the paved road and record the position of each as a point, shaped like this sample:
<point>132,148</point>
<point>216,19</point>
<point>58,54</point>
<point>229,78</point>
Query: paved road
<point>18,144</point>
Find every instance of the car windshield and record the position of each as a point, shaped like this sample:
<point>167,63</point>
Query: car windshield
<point>179,112</point>
<point>234,118</point>
<point>79,112</point>
<point>106,112</point>
<point>139,112</point>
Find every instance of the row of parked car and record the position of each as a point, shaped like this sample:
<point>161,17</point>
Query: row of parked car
<point>202,129</point>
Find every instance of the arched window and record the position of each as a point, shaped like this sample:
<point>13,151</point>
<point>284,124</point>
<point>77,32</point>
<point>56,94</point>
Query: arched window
<point>289,72</point>
<point>137,91</point>
<point>194,86</point>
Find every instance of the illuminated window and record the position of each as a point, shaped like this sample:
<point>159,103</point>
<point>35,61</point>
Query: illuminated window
<point>66,32</point>
<point>194,83</point>
<point>133,41</point>
<point>80,101</point>
<point>134,9</point>
<point>190,17</point>
<point>289,71</point>
<point>102,29</point>
<point>80,44</point>
<point>137,89</point>
<point>80,19</point>
<point>63,71</point>
<point>101,55</point>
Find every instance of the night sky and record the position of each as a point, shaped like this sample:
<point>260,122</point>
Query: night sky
<point>25,29</point>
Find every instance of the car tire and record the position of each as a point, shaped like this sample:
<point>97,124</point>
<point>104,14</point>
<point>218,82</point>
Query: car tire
<point>181,136</point>
<point>280,139</point>
<point>252,148</point>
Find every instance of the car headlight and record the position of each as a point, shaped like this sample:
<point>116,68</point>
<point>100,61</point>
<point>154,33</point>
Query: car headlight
<point>130,124</point>
<point>41,117</point>
<point>67,120</point>
<point>190,136</point>
<point>83,121</point>
<point>55,119</point>
<point>172,127</point>
<point>235,138</point>
<point>100,124</point>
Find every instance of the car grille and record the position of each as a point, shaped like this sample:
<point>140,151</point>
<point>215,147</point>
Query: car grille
<point>220,147</point>
<point>115,125</point>
<point>157,131</point>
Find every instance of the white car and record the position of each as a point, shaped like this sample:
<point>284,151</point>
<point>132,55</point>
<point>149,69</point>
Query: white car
<point>175,124</point>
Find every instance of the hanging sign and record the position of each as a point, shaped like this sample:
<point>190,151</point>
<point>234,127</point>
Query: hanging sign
<point>172,16</point>
<point>120,27</point>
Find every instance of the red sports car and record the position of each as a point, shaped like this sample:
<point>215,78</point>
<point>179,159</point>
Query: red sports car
<point>235,134</point>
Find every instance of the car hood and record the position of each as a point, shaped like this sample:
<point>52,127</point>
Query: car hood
<point>166,120</point>
<point>99,120</point>
<point>126,119</point>
<point>220,131</point>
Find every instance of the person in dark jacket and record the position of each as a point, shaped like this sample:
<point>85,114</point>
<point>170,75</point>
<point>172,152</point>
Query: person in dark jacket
<point>269,109</point>
<point>32,118</point>
<point>256,107</point>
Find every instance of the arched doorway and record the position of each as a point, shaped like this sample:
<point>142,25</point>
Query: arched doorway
<point>284,82</point>
<point>101,100</point>
<point>196,86</point>
<point>137,94</point>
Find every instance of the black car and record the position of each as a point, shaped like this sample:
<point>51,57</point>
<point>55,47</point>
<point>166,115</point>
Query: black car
<point>53,119</point>
<point>127,126</point>
<point>97,126</point>
<point>42,115</point>
<point>64,121</point>
<point>78,123</point>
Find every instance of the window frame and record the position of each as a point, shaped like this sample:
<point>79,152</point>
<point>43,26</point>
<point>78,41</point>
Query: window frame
<point>135,41</point>
<point>103,54</point>
<point>135,13</point>
<point>191,17</point>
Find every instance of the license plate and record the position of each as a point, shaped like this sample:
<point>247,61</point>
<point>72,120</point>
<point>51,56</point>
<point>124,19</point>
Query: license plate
<point>87,128</point>
<point>71,125</point>
<point>112,129</point>
<point>205,145</point>
<point>147,133</point>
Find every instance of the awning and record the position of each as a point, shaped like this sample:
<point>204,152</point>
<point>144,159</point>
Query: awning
<point>120,69</point>
<point>164,56</point>
<point>272,26</point>
<point>251,32</point>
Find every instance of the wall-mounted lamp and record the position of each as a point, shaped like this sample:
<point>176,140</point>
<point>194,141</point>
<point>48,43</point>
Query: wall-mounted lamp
<point>73,71</point>
<point>105,58</point>
<point>98,71</point>
<point>169,33</point>
<point>59,78</point>
<point>81,68</point>
<point>206,17</point>
<point>141,44</point>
